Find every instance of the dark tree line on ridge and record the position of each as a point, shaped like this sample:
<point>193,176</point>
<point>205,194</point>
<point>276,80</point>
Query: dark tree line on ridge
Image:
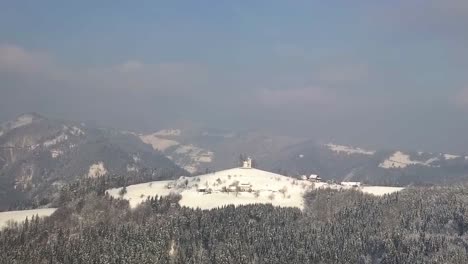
<point>420,225</point>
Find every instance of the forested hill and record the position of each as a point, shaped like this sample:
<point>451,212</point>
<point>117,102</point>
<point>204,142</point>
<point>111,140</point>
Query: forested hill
<point>38,155</point>
<point>426,225</point>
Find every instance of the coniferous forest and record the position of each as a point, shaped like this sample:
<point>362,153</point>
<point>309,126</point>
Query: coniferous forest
<point>420,225</point>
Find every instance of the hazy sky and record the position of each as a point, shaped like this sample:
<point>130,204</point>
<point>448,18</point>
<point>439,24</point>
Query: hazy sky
<point>378,73</point>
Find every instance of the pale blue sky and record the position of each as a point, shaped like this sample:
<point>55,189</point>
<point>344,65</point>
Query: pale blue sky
<point>378,73</point>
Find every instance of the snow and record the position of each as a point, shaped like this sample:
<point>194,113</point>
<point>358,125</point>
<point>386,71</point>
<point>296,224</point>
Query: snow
<point>23,120</point>
<point>55,141</point>
<point>351,184</point>
<point>19,216</point>
<point>256,187</point>
<point>266,183</point>
<point>194,155</point>
<point>76,131</point>
<point>97,170</point>
<point>158,143</point>
<point>450,156</point>
<point>136,158</point>
<point>138,193</point>
<point>402,160</point>
<point>431,160</point>
<point>206,157</point>
<point>168,132</point>
<point>55,153</point>
<point>348,150</point>
<point>184,149</point>
<point>188,156</point>
<point>380,190</point>
<point>131,168</point>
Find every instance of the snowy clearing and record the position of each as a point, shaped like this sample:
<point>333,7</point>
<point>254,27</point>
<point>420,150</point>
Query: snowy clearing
<point>97,170</point>
<point>348,150</point>
<point>380,190</point>
<point>450,156</point>
<point>158,143</point>
<point>138,193</point>
<point>238,186</point>
<point>55,153</point>
<point>22,121</point>
<point>19,216</point>
<point>55,141</point>
<point>402,160</point>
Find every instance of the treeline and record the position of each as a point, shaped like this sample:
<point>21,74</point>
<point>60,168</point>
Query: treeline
<point>427,225</point>
<point>65,192</point>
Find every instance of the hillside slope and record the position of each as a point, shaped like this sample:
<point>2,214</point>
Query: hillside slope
<point>383,167</point>
<point>38,155</point>
<point>237,186</point>
<point>204,150</point>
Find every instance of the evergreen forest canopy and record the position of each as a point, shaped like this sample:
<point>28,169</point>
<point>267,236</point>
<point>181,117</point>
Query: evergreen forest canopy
<point>418,225</point>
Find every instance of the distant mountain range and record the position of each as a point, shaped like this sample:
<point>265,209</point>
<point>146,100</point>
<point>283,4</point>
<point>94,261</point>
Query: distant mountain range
<point>200,150</point>
<point>38,155</point>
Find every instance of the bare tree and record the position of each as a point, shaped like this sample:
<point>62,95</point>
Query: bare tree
<point>257,193</point>
<point>283,191</point>
<point>271,196</point>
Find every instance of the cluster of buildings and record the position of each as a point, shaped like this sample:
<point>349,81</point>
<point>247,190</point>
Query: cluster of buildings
<point>316,178</point>
<point>312,178</point>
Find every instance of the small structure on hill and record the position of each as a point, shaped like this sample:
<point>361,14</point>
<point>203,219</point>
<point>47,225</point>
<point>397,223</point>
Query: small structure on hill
<point>205,190</point>
<point>247,163</point>
<point>351,184</point>
<point>312,178</point>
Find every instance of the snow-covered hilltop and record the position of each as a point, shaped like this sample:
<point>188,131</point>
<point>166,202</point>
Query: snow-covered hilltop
<point>237,186</point>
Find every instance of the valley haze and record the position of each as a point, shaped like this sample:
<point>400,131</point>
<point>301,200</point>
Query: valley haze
<point>379,75</point>
<point>234,132</point>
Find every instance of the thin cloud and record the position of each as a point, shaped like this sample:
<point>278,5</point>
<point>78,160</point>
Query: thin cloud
<point>133,75</point>
<point>14,59</point>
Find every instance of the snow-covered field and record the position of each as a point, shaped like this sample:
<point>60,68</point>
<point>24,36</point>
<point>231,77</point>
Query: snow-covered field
<point>138,193</point>
<point>158,143</point>
<point>348,150</point>
<point>19,216</point>
<point>187,156</point>
<point>236,186</point>
<point>402,160</point>
<point>22,120</point>
<point>450,156</point>
<point>380,190</point>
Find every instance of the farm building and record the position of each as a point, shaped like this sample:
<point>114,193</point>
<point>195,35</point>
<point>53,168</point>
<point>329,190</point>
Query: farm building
<point>312,178</point>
